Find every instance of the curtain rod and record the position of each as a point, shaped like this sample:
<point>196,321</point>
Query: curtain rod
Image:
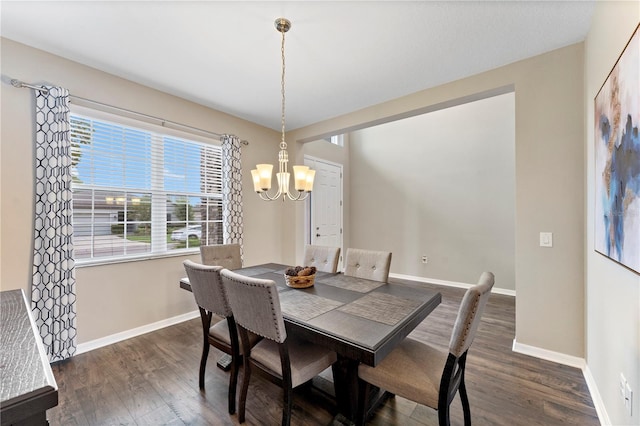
<point>163,122</point>
<point>21,84</point>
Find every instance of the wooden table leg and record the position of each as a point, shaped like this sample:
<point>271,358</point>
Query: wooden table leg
<point>345,378</point>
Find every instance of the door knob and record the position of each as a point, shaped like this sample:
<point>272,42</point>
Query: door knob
<point>317,235</point>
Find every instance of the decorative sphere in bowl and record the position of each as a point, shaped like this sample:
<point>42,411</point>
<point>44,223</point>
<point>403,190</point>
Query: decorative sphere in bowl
<point>300,276</point>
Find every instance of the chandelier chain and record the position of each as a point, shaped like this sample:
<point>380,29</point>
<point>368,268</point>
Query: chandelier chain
<point>283,144</point>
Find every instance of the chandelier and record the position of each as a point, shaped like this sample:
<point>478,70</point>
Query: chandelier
<point>303,176</point>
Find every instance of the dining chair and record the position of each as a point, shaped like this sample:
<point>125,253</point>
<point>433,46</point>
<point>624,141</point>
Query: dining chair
<point>283,359</point>
<point>211,298</point>
<point>368,264</point>
<point>225,255</point>
<point>424,373</point>
<point>324,258</point>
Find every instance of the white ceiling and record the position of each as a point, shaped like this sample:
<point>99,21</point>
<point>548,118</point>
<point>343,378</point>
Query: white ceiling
<point>341,56</point>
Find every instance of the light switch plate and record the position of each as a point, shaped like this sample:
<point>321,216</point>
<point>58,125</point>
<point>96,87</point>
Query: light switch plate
<point>546,239</point>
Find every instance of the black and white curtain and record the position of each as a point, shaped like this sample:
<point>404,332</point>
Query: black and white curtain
<point>53,287</point>
<point>232,189</point>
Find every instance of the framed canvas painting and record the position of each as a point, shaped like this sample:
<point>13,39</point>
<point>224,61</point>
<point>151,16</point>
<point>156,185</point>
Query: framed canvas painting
<point>617,158</point>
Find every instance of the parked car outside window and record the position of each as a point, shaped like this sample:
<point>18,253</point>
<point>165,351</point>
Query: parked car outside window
<point>193,231</point>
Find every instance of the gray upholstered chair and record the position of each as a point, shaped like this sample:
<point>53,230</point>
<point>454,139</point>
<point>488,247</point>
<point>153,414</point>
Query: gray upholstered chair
<point>283,359</point>
<point>322,257</point>
<point>225,255</point>
<point>368,264</point>
<point>211,298</point>
<point>426,374</point>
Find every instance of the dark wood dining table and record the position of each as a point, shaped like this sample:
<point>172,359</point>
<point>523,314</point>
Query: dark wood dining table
<point>361,320</point>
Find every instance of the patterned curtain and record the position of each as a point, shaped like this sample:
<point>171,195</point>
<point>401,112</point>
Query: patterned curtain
<point>53,287</point>
<point>232,190</point>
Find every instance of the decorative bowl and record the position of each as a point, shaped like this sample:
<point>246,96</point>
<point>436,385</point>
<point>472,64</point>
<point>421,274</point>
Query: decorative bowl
<point>305,281</point>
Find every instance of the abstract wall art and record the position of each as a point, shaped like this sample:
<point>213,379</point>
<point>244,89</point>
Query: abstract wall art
<point>617,160</point>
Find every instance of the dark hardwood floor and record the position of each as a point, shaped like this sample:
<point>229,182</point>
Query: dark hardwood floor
<point>153,380</point>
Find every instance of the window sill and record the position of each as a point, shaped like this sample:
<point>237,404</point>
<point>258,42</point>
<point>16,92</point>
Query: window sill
<point>113,260</point>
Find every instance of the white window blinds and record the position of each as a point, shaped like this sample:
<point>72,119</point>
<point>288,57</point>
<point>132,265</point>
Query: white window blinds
<point>141,192</point>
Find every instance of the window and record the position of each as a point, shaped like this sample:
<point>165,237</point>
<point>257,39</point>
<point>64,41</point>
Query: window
<point>336,140</point>
<point>140,191</point>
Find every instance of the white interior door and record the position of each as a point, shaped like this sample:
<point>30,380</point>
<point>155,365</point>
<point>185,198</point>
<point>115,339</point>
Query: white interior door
<point>324,211</point>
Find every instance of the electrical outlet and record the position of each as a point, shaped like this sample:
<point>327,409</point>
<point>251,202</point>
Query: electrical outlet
<point>425,259</point>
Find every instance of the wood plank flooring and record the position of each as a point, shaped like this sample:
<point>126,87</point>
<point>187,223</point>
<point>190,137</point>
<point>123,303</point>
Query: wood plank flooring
<point>153,380</point>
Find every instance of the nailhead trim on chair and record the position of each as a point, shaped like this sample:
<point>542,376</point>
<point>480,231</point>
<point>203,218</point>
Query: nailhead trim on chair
<point>273,313</point>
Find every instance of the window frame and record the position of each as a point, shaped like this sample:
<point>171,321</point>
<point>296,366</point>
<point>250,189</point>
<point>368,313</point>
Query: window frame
<point>159,133</point>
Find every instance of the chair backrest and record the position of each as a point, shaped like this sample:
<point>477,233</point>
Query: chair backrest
<point>225,255</point>
<point>207,287</point>
<point>255,304</point>
<point>322,257</point>
<point>471,308</point>
<point>368,264</point>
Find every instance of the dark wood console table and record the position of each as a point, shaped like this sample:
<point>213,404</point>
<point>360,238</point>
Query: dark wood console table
<point>28,388</point>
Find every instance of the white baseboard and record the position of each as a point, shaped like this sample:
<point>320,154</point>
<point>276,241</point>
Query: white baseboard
<point>557,357</point>
<point>118,337</point>
<point>571,361</point>
<point>504,291</point>
<point>596,397</point>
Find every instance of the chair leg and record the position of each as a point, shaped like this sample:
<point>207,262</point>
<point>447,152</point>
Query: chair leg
<point>206,321</point>
<point>246,376</point>
<point>443,416</point>
<point>236,359</point>
<point>203,363</point>
<point>233,383</point>
<point>363,398</point>
<point>287,407</point>
<point>466,409</point>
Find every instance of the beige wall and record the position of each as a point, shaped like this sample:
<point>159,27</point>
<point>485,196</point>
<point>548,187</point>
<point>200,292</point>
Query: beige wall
<point>613,292</point>
<point>119,297</point>
<point>440,184</point>
<point>549,170</point>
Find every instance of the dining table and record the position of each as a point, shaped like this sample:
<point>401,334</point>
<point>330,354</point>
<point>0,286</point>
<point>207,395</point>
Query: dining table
<point>361,320</point>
